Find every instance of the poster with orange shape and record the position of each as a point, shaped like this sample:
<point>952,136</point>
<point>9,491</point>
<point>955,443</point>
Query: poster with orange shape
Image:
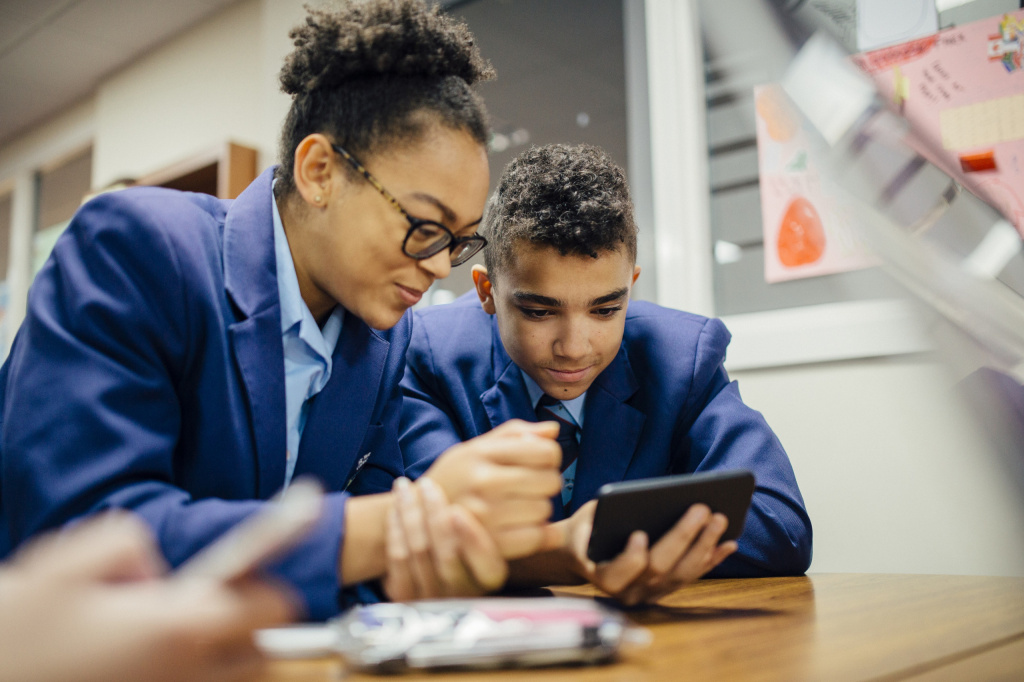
<point>962,90</point>
<point>805,234</point>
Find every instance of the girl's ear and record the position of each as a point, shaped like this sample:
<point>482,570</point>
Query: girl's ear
<point>315,171</point>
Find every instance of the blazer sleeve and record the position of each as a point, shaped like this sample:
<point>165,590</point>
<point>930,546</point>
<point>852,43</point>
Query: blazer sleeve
<point>727,434</point>
<point>428,425</point>
<point>91,415</point>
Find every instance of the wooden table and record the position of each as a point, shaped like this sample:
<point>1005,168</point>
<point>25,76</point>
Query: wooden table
<point>821,627</point>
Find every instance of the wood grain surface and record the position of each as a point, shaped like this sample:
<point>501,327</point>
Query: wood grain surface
<point>820,627</point>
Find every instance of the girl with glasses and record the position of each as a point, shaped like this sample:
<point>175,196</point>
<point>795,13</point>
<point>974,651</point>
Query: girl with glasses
<point>185,357</point>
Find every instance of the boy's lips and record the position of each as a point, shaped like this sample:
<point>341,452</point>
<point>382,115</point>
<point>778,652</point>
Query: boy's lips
<point>567,376</point>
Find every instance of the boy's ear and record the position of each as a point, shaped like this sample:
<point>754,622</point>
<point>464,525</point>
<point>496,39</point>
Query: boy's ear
<point>483,288</point>
<point>636,273</point>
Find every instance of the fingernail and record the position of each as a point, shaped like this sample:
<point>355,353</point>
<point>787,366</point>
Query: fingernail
<point>430,490</point>
<point>402,487</point>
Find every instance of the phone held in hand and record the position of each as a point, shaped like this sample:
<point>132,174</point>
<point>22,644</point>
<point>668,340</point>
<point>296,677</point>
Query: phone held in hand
<point>262,537</point>
<point>654,505</point>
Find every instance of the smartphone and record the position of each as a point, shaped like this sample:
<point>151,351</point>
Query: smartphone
<point>654,505</point>
<point>263,536</point>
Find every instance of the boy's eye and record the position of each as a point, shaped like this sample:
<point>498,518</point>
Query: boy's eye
<point>607,312</point>
<point>535,313</point>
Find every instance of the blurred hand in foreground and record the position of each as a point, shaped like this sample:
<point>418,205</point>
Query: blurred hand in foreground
<point>92,603</point>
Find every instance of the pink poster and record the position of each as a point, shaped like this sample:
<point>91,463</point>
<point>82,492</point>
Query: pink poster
<point>963,91</point>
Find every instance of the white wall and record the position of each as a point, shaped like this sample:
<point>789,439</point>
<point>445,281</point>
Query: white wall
<point>216,82</point>
<point>895,475</point>
<point>71,130</point>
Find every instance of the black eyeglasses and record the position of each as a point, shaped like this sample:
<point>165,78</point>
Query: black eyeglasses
<point>425,238</point>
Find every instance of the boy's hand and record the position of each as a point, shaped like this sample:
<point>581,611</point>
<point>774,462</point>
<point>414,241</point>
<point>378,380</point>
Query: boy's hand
<point>435,549</point>
<point>505,478</point>
<point>688,551</point>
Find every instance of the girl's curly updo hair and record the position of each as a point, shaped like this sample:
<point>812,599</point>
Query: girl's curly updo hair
<point>366,73</point>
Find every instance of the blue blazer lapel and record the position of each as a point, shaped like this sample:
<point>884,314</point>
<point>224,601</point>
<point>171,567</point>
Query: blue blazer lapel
<point>341,412</point>
<point>611,431</point>
<point>250,278</point>
<point>508,397</point>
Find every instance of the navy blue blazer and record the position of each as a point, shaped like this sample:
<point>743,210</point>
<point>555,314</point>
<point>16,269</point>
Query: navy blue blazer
<point>149,375</point>
<point>664,405</point>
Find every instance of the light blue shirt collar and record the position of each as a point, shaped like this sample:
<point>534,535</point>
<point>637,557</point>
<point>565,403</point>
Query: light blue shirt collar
<point>307,348</point>
<point>574,406</point>
<point>294,310</point>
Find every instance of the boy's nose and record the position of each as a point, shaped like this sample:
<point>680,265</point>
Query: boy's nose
<point>573,342</point>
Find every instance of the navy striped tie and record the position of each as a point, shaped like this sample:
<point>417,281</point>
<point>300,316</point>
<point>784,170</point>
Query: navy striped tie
<point>567,429</point>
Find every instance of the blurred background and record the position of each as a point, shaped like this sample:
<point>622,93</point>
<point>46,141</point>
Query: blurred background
<point>897,474</point>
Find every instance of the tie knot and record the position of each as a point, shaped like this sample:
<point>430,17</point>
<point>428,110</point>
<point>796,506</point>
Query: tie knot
<point>548,401</point>
<point>552,409</point>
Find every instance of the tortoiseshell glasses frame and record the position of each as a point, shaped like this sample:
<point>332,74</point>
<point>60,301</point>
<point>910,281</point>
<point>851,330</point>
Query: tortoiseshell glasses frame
<point>425,238</point>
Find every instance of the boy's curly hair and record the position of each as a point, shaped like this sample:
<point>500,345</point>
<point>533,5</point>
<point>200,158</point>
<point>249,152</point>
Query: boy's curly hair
<point>573,198</point>
<point>364,74</point>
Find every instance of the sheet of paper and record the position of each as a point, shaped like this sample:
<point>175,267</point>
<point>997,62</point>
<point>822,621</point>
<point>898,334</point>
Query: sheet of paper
<point>884,22</point>
<point>963,91</point>
<point>804,233</point>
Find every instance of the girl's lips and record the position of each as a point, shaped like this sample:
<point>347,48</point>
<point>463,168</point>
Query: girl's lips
<point>410,296</point>
<point>568,377</point>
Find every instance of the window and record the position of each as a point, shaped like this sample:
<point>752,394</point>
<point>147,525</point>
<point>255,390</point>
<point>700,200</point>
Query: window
<point>561,78</point>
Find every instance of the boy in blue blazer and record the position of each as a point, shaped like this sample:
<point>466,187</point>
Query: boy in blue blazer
<point>638,390</point>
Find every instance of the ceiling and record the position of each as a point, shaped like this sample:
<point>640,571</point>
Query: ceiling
<point>54,52</point>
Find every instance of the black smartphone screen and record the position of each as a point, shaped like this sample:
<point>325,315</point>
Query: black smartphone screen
<point>654,505</point>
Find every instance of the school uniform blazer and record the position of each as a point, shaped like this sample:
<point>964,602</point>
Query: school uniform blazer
<point>664,405</point>
<point>149,375</point>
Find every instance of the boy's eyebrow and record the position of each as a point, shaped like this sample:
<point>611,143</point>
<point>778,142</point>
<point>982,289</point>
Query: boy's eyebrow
<point>538,299</point>
<point>608,298</point>
<point>527,297</point>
